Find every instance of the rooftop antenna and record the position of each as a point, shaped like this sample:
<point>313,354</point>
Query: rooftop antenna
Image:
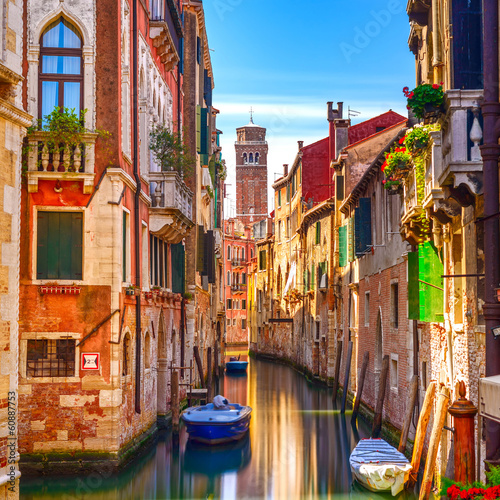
<point>352,112</point>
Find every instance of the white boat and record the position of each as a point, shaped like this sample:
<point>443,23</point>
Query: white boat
<point>378,466</point>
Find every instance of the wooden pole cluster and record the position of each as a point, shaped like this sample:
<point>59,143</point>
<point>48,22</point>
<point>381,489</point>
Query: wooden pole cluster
<point>423,421</point>
<point>175,400</point>
<point>377,421</point>
<point>430,463</point>
<point>337,370</point>
<point>346,378</point>
<point>361,384</point>
<point>410,406</point>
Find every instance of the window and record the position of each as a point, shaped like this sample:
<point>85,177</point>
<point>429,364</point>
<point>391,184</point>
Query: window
<point>229,303</point>
<point>61,75</point>
<point>250,158</point>
<point>278,232</point>
<point>367,308</point>
<point>126,355</point>
<point>288,193</point>
<point>234,321</point>
<point>155,10</point>
<point>228,252</point>
<point>394,371</point>
<point>279,198</point>
<point>318,330</point>
<point>243,254</point>
<point>245,158</point>
<point>318,233</point>
<point>158,262</point>
<point>228,322</point>
<point>243,324</point>
<point>243,278</point>
<point>244,304</point>
<point>256,157</point>
<point>59,245</point>
<point>288,227</point>
<point>51,358</point>
<point>229,278</point>
<point>262,260</point>
<point>394,305</point>
<point>125,246</point>
<point>147,351</point>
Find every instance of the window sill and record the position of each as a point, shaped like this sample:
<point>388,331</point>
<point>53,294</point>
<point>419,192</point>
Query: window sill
<point>48,380</point>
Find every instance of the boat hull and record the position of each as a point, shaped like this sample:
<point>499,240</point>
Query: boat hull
<point>211,426</point>
<point>236,366</point>
<point>379,467</point>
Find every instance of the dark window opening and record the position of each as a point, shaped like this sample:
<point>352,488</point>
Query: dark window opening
<point>51,358</point>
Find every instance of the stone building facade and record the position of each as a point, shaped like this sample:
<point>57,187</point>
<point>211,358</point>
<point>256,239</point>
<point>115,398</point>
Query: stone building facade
<point>13,123</point>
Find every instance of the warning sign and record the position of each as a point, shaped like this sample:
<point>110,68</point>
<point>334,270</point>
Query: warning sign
<point>90,361</point>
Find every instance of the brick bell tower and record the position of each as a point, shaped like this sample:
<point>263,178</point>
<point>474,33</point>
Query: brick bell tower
<point>251,172</point>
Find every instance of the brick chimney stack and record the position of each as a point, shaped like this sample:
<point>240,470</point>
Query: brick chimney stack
<point>285,169</point>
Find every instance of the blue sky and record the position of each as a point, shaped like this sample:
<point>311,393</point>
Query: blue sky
<point>286,59</point>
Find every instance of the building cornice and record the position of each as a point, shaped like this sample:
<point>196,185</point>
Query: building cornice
<point>14,114</point>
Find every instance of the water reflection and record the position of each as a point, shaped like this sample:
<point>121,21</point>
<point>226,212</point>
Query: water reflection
<point>298,447</point>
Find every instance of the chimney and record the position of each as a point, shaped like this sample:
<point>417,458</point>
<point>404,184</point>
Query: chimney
<point>300,143</point>
<point>329,114</point>
<point>334,114</point>
<point>285,169</point>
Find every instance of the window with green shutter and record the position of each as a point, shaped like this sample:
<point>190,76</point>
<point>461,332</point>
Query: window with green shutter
<point>288,193</point>
<point>312,277</point>
<point>425,284</point>
<point>178,270</point>
<point>262,260</point>
<point>204,135</point>
<point>363,227</point>
<point>343,246</point>
<point>318,233</point>
<point>198,128</point>
<point>59,245</point>
<point>350,238</point>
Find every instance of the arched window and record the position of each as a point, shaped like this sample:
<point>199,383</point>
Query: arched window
<point>228,252</point>
<point>256,157</point>
<point>126,361</point>
<point>251,253</point>
<point>61,69</point>
<point>243,253</point>
<point>245,160</point>
<point>250,158</point>
<point>229,278</point>
<point>147,351</point>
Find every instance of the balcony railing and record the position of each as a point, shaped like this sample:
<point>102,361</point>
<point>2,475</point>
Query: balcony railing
<point>461,136</point>
<point>239,288</point>
<point>171,210</point>
<point>61,162</point>
<point>250,143</point>
<point>238,262</point>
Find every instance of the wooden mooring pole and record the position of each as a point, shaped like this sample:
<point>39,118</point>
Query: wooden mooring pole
<point>346,378</point>
<point>377,421</point>
<point>174,400</point>
<point>209,374</point>
<point>410,407</point>
<point>196,352</point>
<point>338,359</point>
<point>216,361</point>
<point>430,463</point>
<point>361,383</point>
<point>423,421</point>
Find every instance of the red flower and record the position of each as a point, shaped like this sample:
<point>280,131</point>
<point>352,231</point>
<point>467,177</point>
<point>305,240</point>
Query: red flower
<point>405,89</point>
<point>410,96</point>
<point>384,181</point>
<point>441,83</point>
<point>402,140</point>
<point>435,86</point>
<point>407,107</point>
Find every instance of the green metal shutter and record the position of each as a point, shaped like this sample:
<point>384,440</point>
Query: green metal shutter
<point>413,287</point>
<point>431,293</point>
<point>343,246</point>
<point>198,128</point>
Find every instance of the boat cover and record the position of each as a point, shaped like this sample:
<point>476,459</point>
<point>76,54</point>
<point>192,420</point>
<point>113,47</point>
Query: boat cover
<point>379,466</point>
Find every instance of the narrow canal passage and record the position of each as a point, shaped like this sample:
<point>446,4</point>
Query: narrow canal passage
<point>298,447</point>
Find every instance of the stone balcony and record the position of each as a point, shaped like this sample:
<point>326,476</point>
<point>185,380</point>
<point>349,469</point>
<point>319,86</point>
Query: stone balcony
<point>171,210</point>
<point>162,40</point>
<point>73,163</point>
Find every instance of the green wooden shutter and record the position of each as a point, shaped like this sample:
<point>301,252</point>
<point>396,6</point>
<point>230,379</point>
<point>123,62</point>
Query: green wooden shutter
<point>178,267</point>
<point>413,287</point>
<point>198,128</point>
<point>350,238</point>
<point>42,244</point>
<point>204,124</point>
<point>431,293</point>
<point>200,254</point>
<point>279,198</point>
<point>343,246</point>
<point>59,242</point>
<point>339,185</point>
<point>318,233</point>
<point>363,226</point>
<point>312,277</point>
<point>288,193</point>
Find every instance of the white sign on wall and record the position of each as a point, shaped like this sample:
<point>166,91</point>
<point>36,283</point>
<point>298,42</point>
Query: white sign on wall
<point>90,361</point>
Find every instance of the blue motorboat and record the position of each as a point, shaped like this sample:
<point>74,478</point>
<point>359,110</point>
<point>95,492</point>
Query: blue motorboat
<point>211,425</point>
<point>235,365</point>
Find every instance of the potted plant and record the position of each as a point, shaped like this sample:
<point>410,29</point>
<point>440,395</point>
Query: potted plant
<point>418,137</point>
<point>425,99</point>
<point>392,186</point>
<point>130,290</point>
<point>187,296</point>
<point>397,162</point>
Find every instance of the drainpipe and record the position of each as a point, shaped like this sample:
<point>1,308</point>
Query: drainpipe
<point>137,221</point>
<point>490,151</point>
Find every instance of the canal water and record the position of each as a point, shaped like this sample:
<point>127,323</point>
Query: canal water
<point>298,447</point>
